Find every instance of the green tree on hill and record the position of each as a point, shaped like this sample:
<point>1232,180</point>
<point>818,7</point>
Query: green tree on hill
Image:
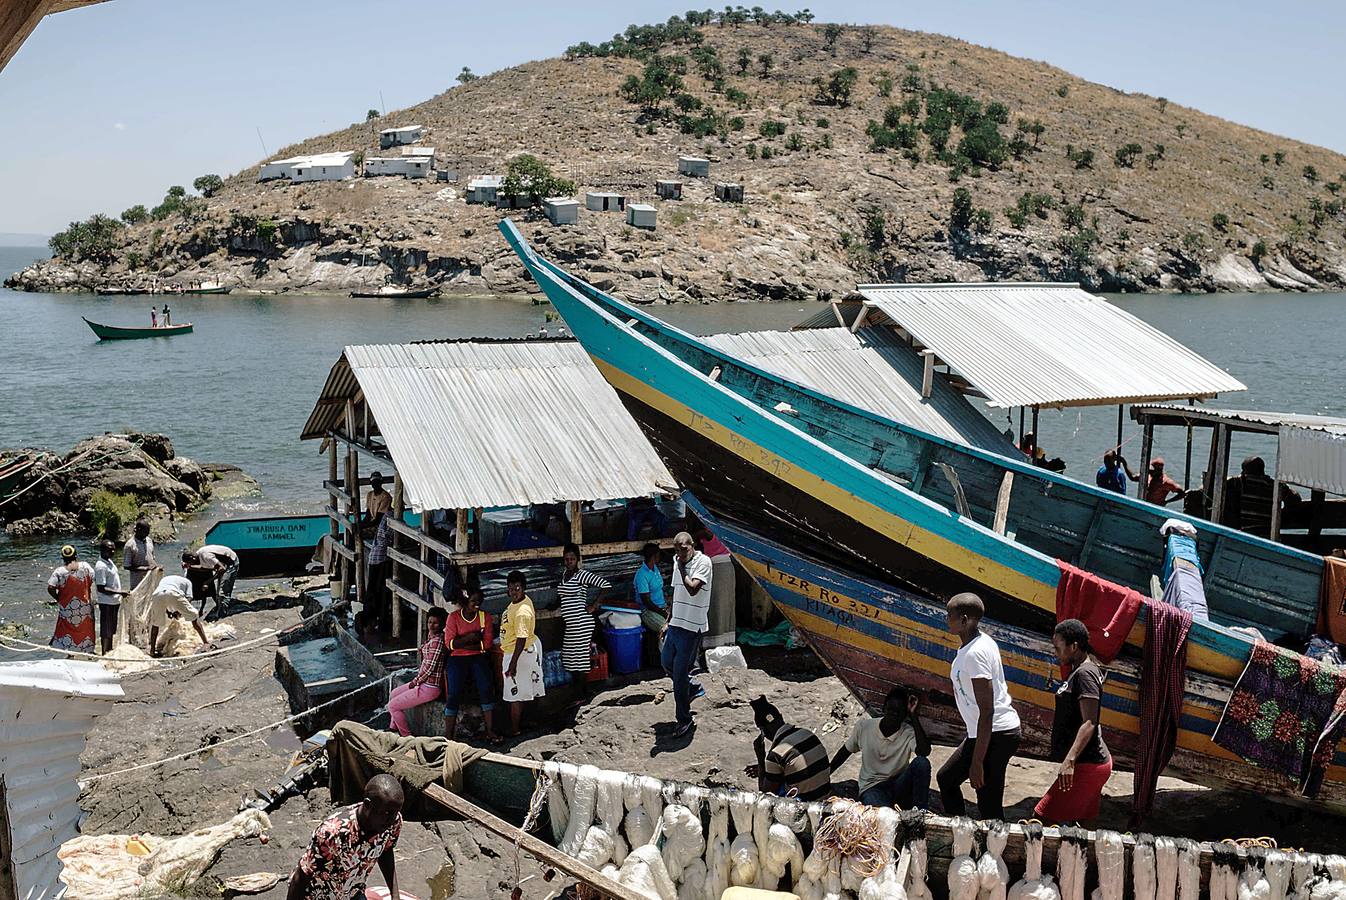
<point>960,213</point>
<point>94,238</point>
<point>528,177</point>
<point>744,60</point>
<point>835,90</point>
<point>831,31</point>
<point>651,88</point>
<point>465,75</point>
<point>1125,157</point>
<point>134,215</point>
<point>766,61</point>
<point>372,114</point>
<point>868,35</point>
<point>1310,174</point>
<point>207,185</point>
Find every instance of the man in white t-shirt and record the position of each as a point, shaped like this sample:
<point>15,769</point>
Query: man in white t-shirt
<point>687,618</point>
<point>894,754</point>
<point>983,699</point>
<point>223,561</point>
<point>108,584</point>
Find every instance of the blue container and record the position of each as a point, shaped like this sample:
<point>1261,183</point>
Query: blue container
<point>554,672</point>
<point>624,649</point>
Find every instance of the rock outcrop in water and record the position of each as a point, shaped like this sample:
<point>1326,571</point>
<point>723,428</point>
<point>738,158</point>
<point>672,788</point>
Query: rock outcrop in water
<point>130,475</point>
<point>943,161</point>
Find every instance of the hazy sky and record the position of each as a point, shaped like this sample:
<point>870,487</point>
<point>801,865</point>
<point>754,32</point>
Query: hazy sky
<point>105,107</point>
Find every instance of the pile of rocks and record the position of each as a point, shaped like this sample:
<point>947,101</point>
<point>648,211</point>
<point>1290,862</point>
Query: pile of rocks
<point>139,465</point>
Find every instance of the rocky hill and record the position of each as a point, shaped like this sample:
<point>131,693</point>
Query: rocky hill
<point>866,154</point>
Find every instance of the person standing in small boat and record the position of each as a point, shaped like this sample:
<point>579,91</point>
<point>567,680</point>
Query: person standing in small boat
<point>168,316</point>
<point>154,317</point>
<point>983,700</point>
<point>577,610</point>
<point>71,586</point>
<point>1077,736</point>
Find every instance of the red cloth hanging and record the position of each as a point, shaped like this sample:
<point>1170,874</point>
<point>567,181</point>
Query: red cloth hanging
<point>1108,610</point>
<point>1163,677</point>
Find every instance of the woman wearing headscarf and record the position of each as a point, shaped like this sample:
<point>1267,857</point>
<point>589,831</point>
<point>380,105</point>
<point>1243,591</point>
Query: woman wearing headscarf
<point>71,586</point>
<point>578,605</point>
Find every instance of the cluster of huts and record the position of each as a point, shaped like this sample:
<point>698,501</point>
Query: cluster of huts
<point>419,162</point>
<point>489,190</point>
<point>411,162</point>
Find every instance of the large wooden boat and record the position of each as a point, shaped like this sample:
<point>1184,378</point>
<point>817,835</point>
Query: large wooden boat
<point>876,497</point>
<point>276,545</point>
<point>888,505</point>
<point>122,333</point>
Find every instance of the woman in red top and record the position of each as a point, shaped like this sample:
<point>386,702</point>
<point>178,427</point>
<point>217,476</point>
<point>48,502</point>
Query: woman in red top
<point>468,639</point>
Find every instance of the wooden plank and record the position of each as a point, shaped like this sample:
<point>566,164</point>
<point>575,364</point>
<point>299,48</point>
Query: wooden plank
<point>543,851</point>
<point>409,597</point>
<point>343,551</point>
<point>534,553</point>
<point>336,516</point>
<point>336,492</point>
<point>398,509</point>
<point>1095,522</point>
<point>354,443</point>
<point>1002,502</point>
<point>421,537</point>
<point>460,531</point>
<point>417,566</point>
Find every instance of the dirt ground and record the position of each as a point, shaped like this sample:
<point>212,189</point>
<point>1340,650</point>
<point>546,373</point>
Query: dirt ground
<point>624,727</point>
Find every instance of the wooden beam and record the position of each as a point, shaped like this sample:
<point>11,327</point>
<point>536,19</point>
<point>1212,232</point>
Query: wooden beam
<point>1276,510</point>
<point>1002,502</point>
<point>416,565</point>
<point>460,529</point>
<point>927,373</point>
<point>1146,453</point>
<point>527,842</point>
<point>368,447</point>
<point>534,553</point>
<point>343,551</point>
<point>575,512</point>
<point>421,537</point>
<point>398,509</point>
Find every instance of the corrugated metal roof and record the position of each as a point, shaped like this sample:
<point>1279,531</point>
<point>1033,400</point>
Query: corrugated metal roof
<point>1267,420</point>
<point>1045,344</point>
<point>46,709</point>
<point>872,369</point>
<point>1312,457</point>
<point>495,423</point>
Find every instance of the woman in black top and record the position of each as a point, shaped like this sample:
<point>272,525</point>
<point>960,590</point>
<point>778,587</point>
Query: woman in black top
<point>1077,737</point>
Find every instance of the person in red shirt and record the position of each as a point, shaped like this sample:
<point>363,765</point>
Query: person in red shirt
<point>429,681</point>
<point>468,637</point>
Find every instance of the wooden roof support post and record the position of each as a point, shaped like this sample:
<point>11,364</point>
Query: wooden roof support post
<point>927,373</point>
<point>393,569</point>
<point>460,543</point>
<point>1276,510</point>
<point>1120,408</point>
<point>1219,470</point>
<point>1187,465</point>
<point>575,512</point>
<point>1036,440</point>
<point>1146,451</point>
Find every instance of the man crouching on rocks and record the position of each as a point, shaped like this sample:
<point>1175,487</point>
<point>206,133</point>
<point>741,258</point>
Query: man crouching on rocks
<point>348,843</point>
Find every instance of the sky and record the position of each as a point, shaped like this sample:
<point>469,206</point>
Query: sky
<point>107,106</point>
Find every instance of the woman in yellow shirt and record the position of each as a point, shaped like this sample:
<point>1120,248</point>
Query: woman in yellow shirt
<point>520,651</point>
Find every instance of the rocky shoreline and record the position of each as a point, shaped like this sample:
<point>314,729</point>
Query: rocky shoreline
<point>105,482</point>
<point>311,258</point>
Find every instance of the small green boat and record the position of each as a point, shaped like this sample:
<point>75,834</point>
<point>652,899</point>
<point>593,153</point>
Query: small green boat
<point>119,333</point>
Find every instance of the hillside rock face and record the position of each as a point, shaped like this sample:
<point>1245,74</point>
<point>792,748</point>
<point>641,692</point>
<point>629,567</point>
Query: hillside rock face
<point>1201,205</point>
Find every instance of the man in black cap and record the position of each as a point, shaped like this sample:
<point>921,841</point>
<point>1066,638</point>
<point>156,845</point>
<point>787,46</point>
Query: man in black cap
<point>791,761</point>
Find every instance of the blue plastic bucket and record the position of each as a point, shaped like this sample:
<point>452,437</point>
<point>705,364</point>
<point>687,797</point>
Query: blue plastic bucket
<point>624,649</point>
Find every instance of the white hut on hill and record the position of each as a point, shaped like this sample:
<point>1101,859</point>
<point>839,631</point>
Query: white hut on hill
<point>46,710</point>
<point>407,134</point>
<point>316,167</point>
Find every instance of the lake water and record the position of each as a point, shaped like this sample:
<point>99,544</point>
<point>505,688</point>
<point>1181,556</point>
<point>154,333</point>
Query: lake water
<point>239,389</point>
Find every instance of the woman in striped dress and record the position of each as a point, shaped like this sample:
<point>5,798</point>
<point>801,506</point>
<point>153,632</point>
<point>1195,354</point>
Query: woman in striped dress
<point>578,606</point>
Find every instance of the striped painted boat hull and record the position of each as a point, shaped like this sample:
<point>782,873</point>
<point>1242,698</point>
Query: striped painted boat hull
<point>872,636</point>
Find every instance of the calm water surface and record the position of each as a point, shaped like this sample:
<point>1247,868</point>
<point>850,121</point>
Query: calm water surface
<point>239,389</point>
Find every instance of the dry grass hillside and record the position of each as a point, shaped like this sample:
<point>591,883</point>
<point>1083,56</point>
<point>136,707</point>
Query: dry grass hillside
<point>1204,204</point>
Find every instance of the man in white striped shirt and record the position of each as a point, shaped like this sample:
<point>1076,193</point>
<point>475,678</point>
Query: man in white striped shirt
<point>688,613</point>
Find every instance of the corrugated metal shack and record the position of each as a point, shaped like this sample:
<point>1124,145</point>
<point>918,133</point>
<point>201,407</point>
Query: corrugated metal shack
<point>474,426</point>
<point>46,710</point>
<point>1040,345</point>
